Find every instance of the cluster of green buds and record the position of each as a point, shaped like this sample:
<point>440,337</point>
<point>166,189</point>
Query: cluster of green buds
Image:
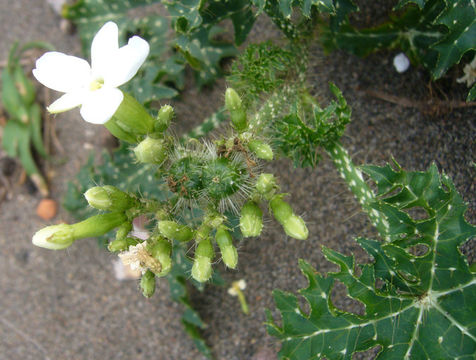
<point>219,180</point>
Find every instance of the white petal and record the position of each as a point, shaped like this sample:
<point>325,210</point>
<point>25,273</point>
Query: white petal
<point>128,60</point>
<point>99,105</point>
<point>67,102</point>
<point>104,48</point>
<point>62,72</point>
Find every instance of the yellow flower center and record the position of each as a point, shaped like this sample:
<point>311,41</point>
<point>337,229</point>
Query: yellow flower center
<point>96,84</point>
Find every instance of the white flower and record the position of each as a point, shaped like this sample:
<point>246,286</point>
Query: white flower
<point>401,63</point>
<point>94,87</point>
<point>138,258</point>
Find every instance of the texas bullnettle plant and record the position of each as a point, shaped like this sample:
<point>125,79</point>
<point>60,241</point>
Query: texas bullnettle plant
<point>200,196</point>
<point>207,182</point>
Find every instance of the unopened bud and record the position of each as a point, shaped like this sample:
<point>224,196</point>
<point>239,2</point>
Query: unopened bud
<point>296,227</point>
<point>130,121</point>
<point>147,284</point>
<point>236,109</point>
<point>54,237</point>
<point>227,249</point>
<point>293,224</point>
<point>261,149</point>
<point>123,230</point>
<point>251,219</point>
<point>122,244</point>
<point>109,198</point>
<point>57,237</point>
<point>161,251</point>
<point>265,184</point>
<point>151,151</point>
<point>202,262</point>
<point>172,230</point>
<point>164,117</point>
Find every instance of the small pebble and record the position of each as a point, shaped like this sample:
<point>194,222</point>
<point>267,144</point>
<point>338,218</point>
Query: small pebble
<point>401,63</point>
<point>47,209</point>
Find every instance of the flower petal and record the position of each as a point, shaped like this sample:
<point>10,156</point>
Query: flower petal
<point>104,48</point>
<point>67,102</point>
<point>100,105</point>
<point>62,72</point>
<point>128,60</point>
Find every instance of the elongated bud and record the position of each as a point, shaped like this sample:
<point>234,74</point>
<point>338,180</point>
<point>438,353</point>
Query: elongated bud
<point>123,230</point>
<point>54,237</point>
<point>227,249</point>
<point>202,262</point>
<point>265,184</point>
<point>236,109</point>
<point>251,219</point>
<point>57,237</point>
<point>122,244</point>
<point>293,224</point>
<point>164,118</point>
<point>147,284</point>
<point>261,149</point>
<point>130,121</point>
<point>161,251</point>
<point>295,227</point>
<point>174,231</point>
<point>109,198</point>
<point>151,151</point>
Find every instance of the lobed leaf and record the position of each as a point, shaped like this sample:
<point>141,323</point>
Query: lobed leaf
<point>423,310</point>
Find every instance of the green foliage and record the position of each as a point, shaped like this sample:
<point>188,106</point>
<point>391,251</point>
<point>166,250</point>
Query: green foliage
<point>23,128</point>
<point>262,68</point>
<point>434,33</point>
<point>423,308</point>
<point>308,127</point>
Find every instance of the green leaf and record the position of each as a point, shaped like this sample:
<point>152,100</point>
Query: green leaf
<point>300,134</point>
<point>459,17</point>
<point>424,307</point>
<point>204,53</point>
<point>402,3</point>
<point>239,11</point>
<point>185,14</point>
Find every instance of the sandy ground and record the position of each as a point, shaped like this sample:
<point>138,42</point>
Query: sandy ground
<point>68,305</point>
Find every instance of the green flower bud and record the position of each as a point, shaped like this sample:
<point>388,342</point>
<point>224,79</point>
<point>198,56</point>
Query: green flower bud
<point>172,230</point>
<point>130,121</point>
<point>280,208</point>
<point>151,151</point>
<point>228,251</point>
<point>123,230</point>
<point>57,237</point>
<point>162,252</point>
<point>265,184</point>
<point>201,268</point>
<point>147,284</point>
<point>236,109</point>
<point>164,117</point>
<point>109,198</point>
<point>121,244</point>
<point>202,262</point>
<point>295,227</point>
<point>251,219</point>
<point>261,149</point>
<point>54,237</point>
<point>293,224</point>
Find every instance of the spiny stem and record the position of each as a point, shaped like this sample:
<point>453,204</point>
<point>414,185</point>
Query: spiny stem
<point>354,179</point>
